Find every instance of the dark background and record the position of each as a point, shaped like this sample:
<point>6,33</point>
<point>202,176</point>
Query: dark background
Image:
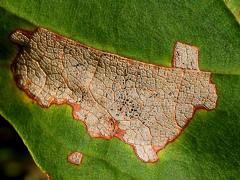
<point>15,160</point>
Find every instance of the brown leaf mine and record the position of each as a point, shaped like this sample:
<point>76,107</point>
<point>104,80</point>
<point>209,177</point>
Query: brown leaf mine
<point>144,105</point>
<point>75,158</point>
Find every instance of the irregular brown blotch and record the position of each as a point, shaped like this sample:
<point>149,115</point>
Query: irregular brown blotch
<point>75,158</point>
<point>144,105</point>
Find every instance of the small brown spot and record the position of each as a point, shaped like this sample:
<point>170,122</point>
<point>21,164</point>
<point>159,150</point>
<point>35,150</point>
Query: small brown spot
<point>75,158</point>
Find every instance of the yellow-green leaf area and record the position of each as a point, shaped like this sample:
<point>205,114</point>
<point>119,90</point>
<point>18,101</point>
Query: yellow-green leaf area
<point>234,7</point>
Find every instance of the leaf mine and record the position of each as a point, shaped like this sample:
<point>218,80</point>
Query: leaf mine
<point>145,105</point>
<point>75,158</point>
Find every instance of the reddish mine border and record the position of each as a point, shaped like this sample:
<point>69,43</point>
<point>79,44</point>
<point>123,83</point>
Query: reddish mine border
<point>119,132</point>
<point>48,176</point>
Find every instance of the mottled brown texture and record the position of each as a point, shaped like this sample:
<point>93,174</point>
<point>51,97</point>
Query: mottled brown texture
<point>75,158</point>
<point>142,104</point>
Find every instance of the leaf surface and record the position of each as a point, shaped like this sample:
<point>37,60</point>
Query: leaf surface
<point>234,7</point>
<point>209,148</point>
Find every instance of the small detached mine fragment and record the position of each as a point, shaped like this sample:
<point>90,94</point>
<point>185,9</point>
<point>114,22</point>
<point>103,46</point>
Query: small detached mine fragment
<point>145,105</point>
<point>75,158</point>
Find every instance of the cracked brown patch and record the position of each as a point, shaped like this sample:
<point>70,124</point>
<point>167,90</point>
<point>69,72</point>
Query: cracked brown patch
<point>75,158</point>
<point>144,105</point>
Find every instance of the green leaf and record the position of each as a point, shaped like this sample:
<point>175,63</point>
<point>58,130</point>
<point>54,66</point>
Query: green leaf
<point>234,7</point>
<point>209,148</point>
